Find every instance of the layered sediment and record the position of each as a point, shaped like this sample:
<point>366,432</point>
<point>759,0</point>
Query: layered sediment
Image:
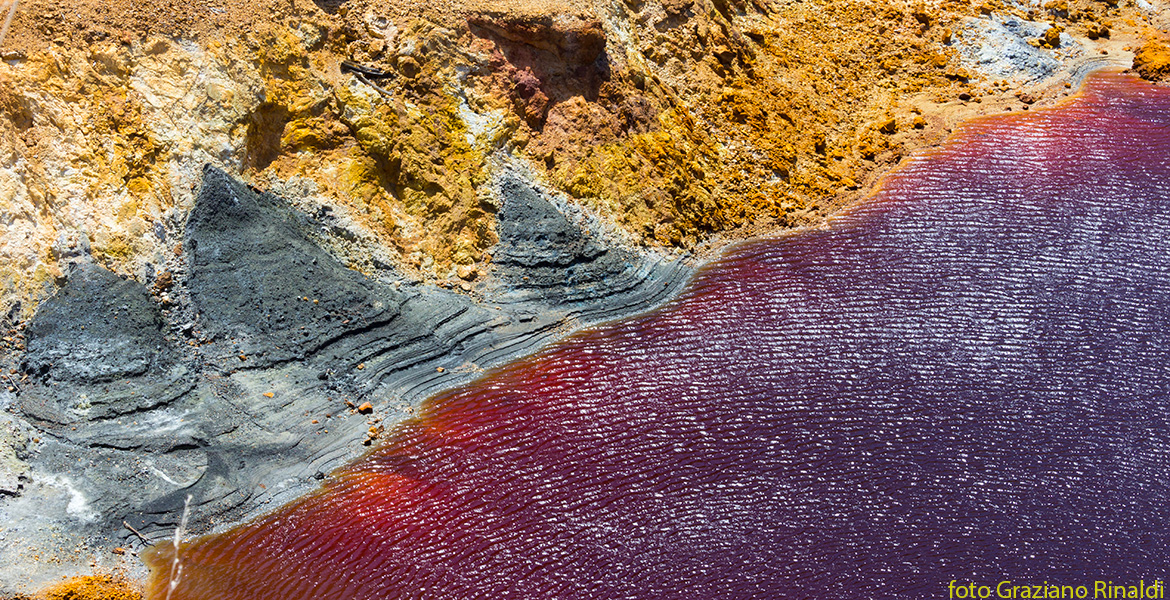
<point>266,363</point>
<point>680,123</point>
<point>938,385</point>
<point>228,226</point>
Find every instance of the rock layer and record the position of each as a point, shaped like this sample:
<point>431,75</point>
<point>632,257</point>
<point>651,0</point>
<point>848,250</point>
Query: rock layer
<point>675,122</point>
<point>99,350</point>
<point>264,364</point>
<point>486,180</point>
<point>255,279</point>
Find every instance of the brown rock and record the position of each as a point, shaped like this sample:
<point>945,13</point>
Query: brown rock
<point>409,67</point>
<point>466,272</point>
<point>366,408</point>
<point>1051,36</point>
<point>578,40</point>
<point>529,95</point>
<point>921,15</point>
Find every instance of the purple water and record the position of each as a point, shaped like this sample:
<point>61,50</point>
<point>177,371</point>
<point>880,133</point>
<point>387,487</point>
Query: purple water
<point>964,378</point>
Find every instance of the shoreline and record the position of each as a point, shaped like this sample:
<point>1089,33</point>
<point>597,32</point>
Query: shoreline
<point>237,406</point>
<point>394,398</point>
<point>252,428</point>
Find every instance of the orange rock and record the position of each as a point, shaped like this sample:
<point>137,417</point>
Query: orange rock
<point>93,587</point>
<point>268,394</point>
<point>1152,60</point>
<point>1051,37</point>
<point>366,408</point>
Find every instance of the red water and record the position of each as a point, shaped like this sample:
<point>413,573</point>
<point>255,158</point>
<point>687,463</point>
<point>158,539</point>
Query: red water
<point>965,377</point>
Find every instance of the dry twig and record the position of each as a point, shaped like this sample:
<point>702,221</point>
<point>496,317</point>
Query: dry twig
<point>8,19</point>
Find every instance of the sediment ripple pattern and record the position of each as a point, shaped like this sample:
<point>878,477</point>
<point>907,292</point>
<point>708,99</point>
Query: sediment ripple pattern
<point>963,378</point>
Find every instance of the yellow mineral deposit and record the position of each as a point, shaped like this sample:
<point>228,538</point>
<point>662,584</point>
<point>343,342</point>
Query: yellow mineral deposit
<point>676,120</point>
<point>94,587</point>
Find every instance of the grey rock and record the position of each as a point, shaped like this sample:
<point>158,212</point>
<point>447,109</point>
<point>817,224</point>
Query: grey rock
<point>14,470</point>
<point>557,256</point>
<point>96,329</point>
<point>539,249</point>
<point>97,349</point>
<point>257,280</point>
<point>240,394</point>
<point>998,46</point>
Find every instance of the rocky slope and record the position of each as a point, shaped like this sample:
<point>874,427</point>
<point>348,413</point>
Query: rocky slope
<point>228,226</point>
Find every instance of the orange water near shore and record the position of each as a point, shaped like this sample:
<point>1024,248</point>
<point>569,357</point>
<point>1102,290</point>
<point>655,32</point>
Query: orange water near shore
<point>962,378</point>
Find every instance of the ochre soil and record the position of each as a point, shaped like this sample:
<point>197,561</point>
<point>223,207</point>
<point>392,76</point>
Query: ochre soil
<point>706,120</point>
<point>1152,59</point>
<point>93,587</point>
<point>703,122</point>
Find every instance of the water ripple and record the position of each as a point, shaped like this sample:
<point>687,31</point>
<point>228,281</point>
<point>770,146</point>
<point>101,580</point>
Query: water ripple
<point>963,378</point>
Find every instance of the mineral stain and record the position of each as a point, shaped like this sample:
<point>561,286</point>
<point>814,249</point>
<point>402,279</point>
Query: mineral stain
<point>963,378</point>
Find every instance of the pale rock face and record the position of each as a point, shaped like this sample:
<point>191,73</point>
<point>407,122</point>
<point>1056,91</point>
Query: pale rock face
<point>14,471</point>
<point>999,47</point>
<point>108,144</point>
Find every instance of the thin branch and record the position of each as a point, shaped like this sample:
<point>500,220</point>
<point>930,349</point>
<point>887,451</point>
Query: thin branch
<point>136,532</point>
<point>361,77</point>
<point>176,567</point>
<point>8,20</point>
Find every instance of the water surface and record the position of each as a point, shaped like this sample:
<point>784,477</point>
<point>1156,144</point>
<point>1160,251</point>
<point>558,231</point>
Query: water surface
<point>965,377</point>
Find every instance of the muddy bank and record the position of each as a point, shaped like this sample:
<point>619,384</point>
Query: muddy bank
<point>263,364</point>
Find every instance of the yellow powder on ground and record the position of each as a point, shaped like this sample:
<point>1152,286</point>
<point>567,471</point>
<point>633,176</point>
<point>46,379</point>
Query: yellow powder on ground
<point>93,587</point>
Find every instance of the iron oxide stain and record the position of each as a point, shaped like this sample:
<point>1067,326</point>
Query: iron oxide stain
<point>965,378</point>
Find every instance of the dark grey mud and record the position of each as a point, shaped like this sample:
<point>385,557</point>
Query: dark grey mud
<point>239,386</point>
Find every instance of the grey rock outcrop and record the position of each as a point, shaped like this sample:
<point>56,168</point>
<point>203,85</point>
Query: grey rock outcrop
<point>239,387</point>
<point>257,280</point>
<point>98,349</point>
<point>550,252</point>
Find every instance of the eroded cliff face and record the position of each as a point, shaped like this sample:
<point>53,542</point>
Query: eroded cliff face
<point>676,121</point>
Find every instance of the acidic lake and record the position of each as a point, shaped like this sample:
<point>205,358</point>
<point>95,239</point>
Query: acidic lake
<point>965,377</point>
